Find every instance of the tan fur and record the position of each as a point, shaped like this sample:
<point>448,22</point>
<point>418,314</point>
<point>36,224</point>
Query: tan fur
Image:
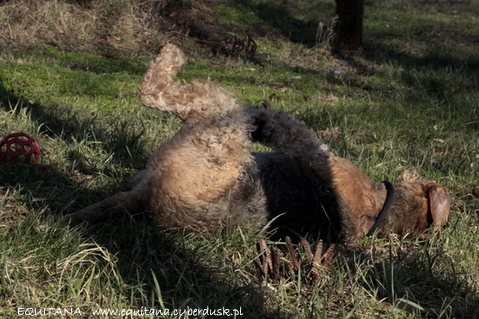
<point>205,176</point>
<point>190,175</point>
<point>189,178</point>
<point>189,102</point>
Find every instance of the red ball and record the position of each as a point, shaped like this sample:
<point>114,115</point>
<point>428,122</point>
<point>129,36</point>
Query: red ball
<point>19,147</point>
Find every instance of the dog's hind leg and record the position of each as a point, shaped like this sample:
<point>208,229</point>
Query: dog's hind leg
<point>290,136</point>
<point>131,202</point>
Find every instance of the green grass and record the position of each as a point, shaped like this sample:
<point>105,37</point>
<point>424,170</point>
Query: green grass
<point>410,102</point>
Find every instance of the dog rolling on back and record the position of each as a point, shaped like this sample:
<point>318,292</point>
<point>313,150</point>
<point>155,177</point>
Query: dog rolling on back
<point>206,177</point>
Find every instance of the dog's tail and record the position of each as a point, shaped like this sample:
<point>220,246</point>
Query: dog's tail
<point>187,101</point>
<point>290,136</point>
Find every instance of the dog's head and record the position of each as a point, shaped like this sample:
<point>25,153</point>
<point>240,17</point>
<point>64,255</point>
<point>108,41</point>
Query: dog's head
<point>418,206</point>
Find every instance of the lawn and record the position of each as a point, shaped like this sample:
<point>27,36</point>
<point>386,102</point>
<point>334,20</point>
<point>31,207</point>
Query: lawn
<point>69,73</point>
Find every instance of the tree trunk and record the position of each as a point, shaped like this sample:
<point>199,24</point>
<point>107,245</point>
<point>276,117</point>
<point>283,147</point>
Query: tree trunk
<point>347,28</point>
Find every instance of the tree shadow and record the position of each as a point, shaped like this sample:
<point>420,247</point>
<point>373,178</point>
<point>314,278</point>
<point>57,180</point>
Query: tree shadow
<point>280,17</point>
<point>378,52</point>
<point>435,78</point>
<point>412,285</point>
<point>256,18</point>
<point>147,254</point>
<point>450,51</point>
<point>61,122</point>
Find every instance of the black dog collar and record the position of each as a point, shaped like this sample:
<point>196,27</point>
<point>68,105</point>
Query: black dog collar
<point>385,210</point>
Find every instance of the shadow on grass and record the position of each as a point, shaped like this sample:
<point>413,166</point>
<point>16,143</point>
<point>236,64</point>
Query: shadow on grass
<point>280,18</point>
<point>144,253</point>
<point>61,122</point>
<point>411,280</point>
<point>439,75</point>
<point>378,52</point>
<point>414,285</point>
<point>256,18</point>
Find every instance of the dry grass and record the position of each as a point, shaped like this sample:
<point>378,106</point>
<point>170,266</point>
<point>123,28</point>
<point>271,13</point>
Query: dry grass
<point>126,25</point>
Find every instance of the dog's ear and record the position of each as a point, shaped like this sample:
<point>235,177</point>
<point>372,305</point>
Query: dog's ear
<point>439,205</point>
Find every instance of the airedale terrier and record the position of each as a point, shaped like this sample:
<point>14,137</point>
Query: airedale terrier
<point>206,177</point>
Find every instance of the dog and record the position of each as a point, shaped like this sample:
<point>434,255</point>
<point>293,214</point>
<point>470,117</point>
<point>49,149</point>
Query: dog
<point>205,177</point>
